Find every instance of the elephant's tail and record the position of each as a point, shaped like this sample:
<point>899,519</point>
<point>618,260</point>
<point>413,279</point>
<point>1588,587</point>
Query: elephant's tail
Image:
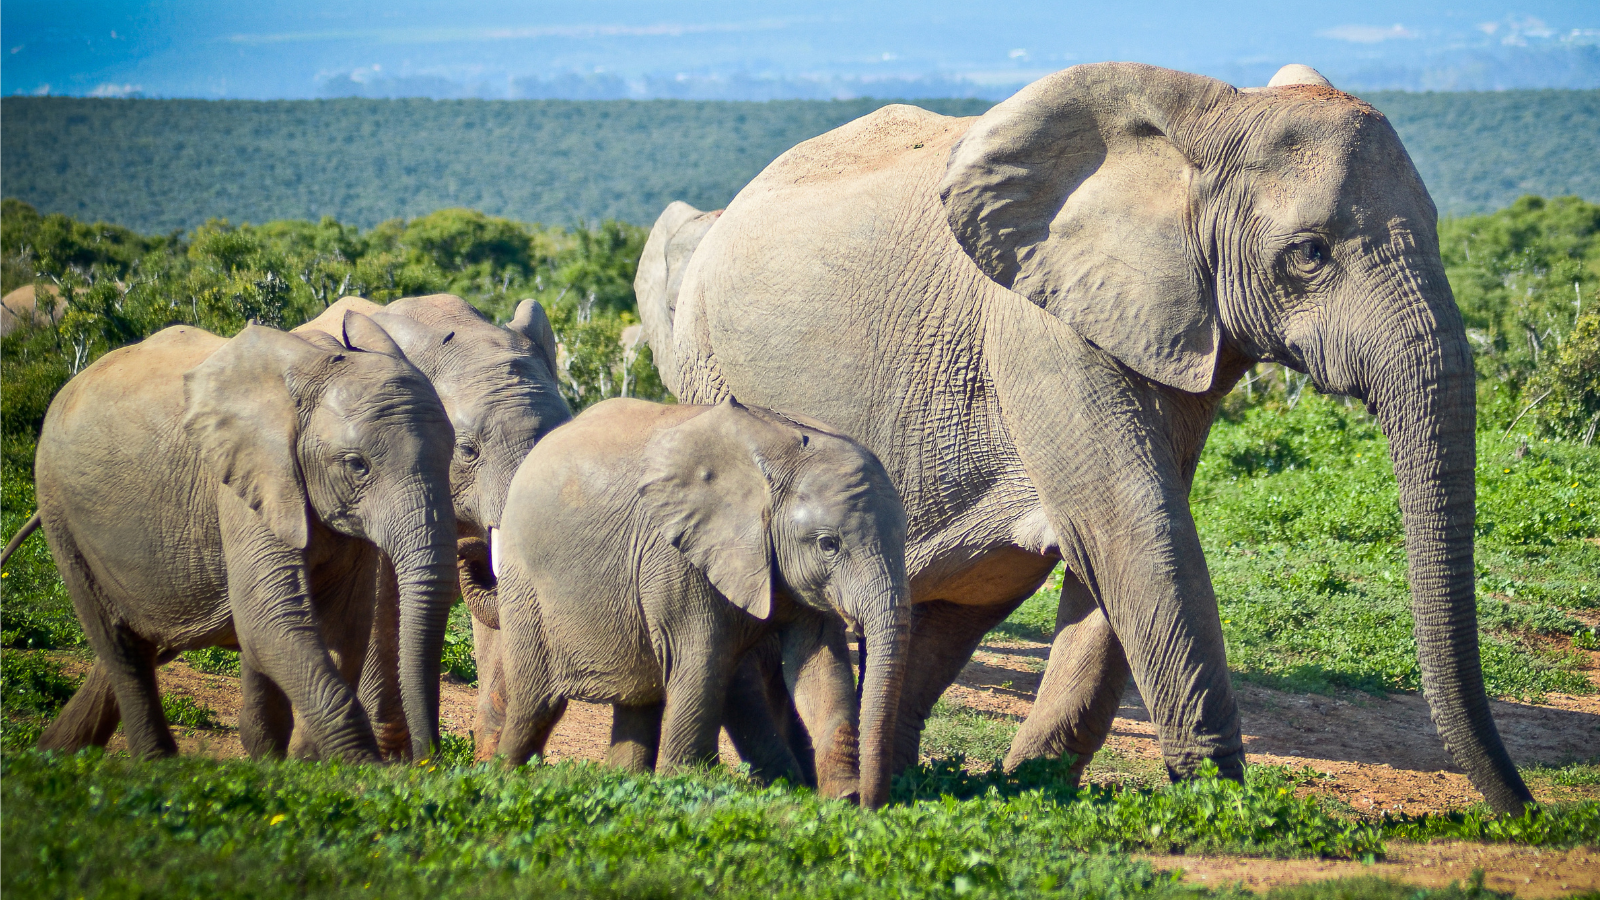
<point>28,527</point>
<point>673,239</point>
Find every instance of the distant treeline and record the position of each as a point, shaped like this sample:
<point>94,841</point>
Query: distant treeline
<point>163,165</point>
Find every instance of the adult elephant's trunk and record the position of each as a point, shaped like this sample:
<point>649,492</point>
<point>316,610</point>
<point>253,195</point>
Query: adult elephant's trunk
<point>1426,402</point>
<point>886,635</point>
<point>423,548</point>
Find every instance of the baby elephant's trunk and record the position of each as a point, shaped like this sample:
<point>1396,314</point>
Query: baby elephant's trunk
<point>886,637</point>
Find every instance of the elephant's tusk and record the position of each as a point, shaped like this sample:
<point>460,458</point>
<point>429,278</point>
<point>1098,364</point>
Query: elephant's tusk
<point>494,551</point>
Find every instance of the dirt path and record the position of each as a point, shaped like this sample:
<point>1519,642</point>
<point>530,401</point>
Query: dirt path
<point>1523,871</point>
<point>1379,754</point>
<point>1376,755</point>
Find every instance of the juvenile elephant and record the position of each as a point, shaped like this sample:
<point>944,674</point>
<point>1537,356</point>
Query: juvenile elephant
<point>499,388</point>
<point>1032,316</point>
<point>647,547</point>
<point>198,491</point>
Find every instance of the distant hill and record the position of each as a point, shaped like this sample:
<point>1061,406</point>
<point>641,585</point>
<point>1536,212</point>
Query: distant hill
<point>159,165</point>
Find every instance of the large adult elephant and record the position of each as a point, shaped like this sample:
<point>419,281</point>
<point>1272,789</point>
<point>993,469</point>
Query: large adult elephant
<point>1031,317</point>
<point>498,385</point>
<point>198,492</point>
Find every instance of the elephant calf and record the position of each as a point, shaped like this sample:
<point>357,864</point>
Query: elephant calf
<point>647,547</point>
<point>202,492</point>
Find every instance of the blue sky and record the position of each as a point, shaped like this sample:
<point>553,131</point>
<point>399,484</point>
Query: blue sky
<point>644,48</point>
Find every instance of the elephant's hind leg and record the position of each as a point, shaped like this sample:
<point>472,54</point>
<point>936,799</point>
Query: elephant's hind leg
<point>944,636</point>
<point>89,718</point>
<point>489,715</point>
<point>265,715</point>
<point>126,661</point>
<point>635,737</point>
<point>1082,686</point>
<point>530,718</point>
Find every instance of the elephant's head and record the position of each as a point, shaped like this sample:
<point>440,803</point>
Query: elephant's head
<point>1187,228</point>
<point>756,501</point>
<point>349,436</point>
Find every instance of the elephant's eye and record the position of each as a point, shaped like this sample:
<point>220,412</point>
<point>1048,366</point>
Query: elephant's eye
<point>356,464</point>
<point>1310,255</point>
<point>828,544</point>
<point>469,452</point>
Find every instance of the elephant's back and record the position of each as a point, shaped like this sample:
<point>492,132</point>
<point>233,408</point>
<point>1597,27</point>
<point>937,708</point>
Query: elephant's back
<point>893,136</point>
<point>129,391</point>
<point>588,466</point>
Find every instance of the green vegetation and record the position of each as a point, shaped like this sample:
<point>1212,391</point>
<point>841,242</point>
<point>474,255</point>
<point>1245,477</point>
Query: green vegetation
<point>166,165</point>
<point>213,661</point>
<point>185,712</point>
<point>1294,497</point>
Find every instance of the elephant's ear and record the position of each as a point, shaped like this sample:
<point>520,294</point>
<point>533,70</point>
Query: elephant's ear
<point>238,410</point>
<point>1075,194</point>
<point>363,333</point>
<point>704,487</point>
<point>531,322</point>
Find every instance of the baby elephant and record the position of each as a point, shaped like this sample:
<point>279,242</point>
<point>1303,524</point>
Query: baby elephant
<point>647,547</point>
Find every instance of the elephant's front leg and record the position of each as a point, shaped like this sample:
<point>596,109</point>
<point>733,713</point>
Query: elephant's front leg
<point>380,664</point>
<point>943,638</point>
<point>817,667</point>
<point>269,595</point>
<point>752,712</point>
<point>1082,687</point>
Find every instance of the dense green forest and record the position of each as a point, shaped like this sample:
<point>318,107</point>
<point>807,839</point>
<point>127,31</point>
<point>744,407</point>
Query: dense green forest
<point>1294,497</point>
<point>160,165</point>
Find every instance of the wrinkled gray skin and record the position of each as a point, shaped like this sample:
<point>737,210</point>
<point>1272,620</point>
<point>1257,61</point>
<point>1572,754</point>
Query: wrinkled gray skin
<point>203,492</point>
<point>499,389</point>
<point>647,547</point>
<point>1031,318</point>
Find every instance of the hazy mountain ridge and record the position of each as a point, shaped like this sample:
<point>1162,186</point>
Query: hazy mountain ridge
<point>159,165</point>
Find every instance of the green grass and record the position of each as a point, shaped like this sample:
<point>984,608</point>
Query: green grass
<point>190,826</point>
<point>102,826</point>
<point>954,730</point>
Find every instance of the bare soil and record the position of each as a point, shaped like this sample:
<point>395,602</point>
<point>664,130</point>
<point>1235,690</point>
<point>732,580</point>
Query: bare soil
<point>1375,755</point>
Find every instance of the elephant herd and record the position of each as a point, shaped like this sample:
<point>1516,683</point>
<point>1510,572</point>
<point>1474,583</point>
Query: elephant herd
<point>921,360</point>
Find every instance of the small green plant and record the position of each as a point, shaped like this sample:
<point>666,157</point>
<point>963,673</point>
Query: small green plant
<point>31,684</point>
<point>213,660</point>
<point>458,659</point>
<point>454,750</point>
<point>184,711</point>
